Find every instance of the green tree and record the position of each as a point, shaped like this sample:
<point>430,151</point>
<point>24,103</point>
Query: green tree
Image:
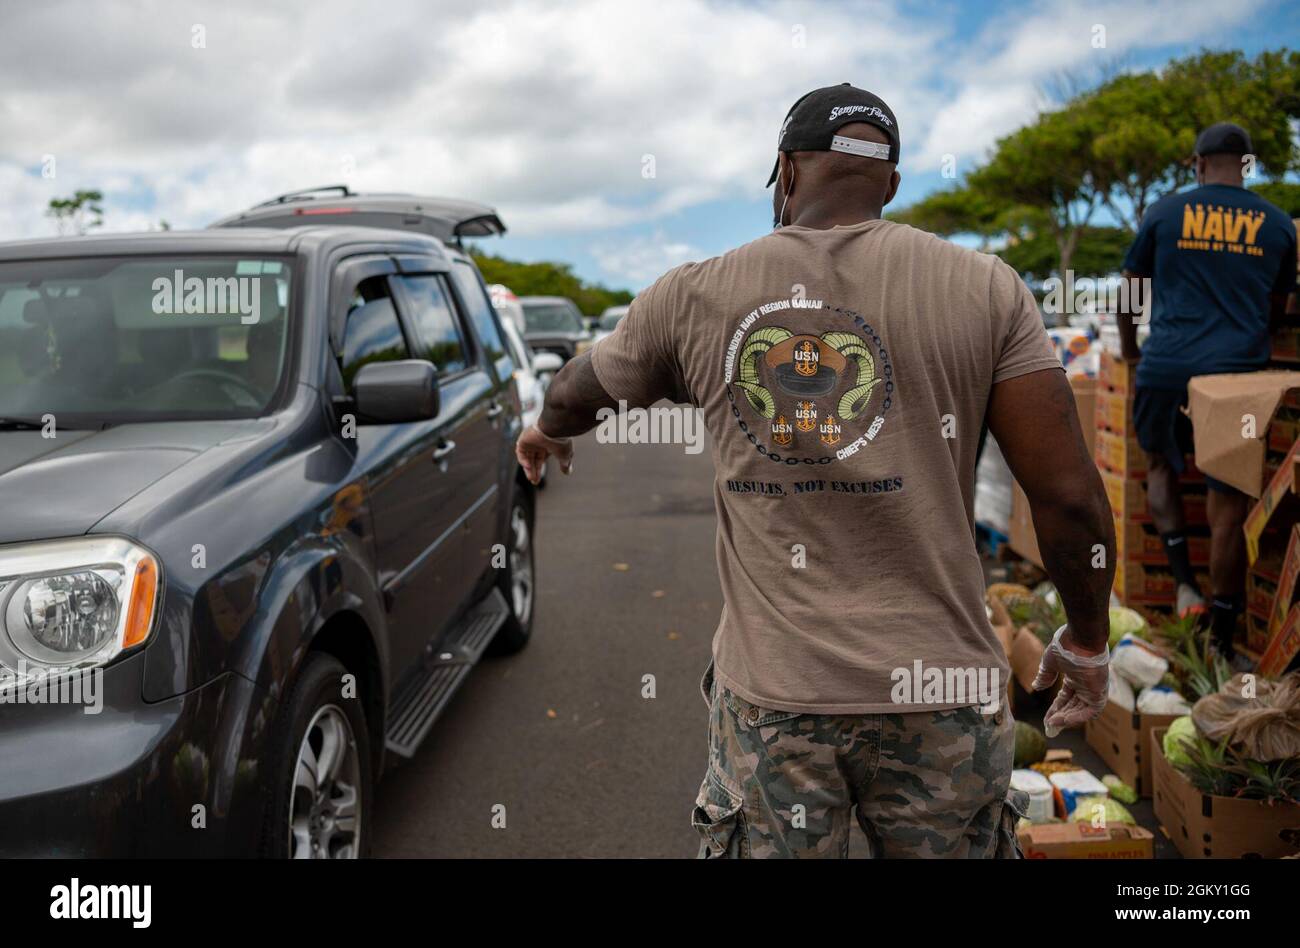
<point>1047,166</point>
<point>958,210</point>
<point>1141,146</point>
<point>1260,95</point>
<point>1284,194</point>
<point>78,213</point>
<point>548,279</point>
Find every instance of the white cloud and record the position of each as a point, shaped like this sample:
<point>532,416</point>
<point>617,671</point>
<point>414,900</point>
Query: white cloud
<point>641,260</point>
<point>543,110</point>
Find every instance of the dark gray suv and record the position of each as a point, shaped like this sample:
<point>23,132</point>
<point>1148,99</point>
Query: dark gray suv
<point>261,517</point>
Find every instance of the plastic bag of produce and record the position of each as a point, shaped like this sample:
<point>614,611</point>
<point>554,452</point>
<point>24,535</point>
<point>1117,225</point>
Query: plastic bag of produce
<point>1120,692</point>
<point>1101,809</point>
<point>1260,718</point>
<point>1137,662</point>
<point>1039,788</point>
<point>1161,699</point>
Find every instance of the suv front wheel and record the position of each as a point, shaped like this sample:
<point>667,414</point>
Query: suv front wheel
<point>321,798</point>
<point>518,581</point>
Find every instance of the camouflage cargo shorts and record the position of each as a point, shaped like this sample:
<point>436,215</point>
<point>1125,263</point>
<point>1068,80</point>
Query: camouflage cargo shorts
<point>924,784</point>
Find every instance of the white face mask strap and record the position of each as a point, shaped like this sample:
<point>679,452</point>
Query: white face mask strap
<point>785,200</point>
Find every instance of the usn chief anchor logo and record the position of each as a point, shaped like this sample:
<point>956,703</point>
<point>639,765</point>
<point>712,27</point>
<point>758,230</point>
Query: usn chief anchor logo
<point>809,391</point>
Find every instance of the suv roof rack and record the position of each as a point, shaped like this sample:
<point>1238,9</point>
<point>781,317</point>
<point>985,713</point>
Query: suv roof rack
<point>306,193</point>
<point>448,219</point>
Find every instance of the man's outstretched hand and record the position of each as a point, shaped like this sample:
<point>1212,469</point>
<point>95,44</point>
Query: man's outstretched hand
<point>1083,693</point>
<point>533,448</point>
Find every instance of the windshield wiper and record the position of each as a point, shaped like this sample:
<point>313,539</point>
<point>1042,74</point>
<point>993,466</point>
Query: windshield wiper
<point>20,424</point>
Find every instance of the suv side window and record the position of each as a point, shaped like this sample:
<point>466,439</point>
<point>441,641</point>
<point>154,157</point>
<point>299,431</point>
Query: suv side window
<point>479,308</point>
<point>438,337</point>
<point>372,332</point>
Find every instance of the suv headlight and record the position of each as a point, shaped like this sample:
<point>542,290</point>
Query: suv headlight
<point>69,604</point>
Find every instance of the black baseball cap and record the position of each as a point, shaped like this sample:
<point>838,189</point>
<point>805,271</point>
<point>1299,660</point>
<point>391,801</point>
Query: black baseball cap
<point>812,122</point>
<point>1223,138</point>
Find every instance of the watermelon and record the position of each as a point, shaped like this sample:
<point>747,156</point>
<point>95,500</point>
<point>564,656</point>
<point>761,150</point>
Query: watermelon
<point>1031,745</point>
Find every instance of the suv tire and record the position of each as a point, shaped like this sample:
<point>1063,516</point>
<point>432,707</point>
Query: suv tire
<point>518,581</point>
<point>330,821</point>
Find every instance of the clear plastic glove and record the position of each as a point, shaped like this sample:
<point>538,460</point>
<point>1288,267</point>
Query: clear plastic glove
<point>1083,693</point>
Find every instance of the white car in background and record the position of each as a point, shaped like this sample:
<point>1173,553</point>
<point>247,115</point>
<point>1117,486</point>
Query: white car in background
<point>533,374</point>
<point>608,320</point>
<point>507,304</point>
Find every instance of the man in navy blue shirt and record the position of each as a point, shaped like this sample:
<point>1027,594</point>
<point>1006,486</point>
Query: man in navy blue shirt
<point>1221,261</point>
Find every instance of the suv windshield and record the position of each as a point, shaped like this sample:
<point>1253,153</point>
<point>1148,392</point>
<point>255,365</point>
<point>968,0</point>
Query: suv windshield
<point>551,317</point>
<point>101,340</point>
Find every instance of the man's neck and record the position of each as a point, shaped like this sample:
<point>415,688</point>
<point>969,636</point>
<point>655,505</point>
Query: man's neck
<point>825,214</point>
<point>1230,181</point>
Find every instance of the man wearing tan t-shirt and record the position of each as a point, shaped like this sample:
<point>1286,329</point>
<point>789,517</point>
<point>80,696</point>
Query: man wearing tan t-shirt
<point>843,366</point>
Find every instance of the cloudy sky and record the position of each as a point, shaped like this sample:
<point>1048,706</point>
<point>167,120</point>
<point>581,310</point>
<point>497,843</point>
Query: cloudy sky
<point>552,112</point>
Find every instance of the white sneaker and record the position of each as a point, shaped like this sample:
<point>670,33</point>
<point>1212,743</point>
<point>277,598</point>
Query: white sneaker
<point>1189,597</point>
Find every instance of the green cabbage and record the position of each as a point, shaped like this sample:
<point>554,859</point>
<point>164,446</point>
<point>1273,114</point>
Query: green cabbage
<point>1181,732</point>
<point>1112,811</point>
<point>1125,622</point>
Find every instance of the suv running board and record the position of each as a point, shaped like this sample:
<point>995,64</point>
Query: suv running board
<point>414,710</point>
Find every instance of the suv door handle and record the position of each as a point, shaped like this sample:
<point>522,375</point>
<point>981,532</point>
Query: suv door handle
<point>495,410</point>
<point>443,451</point>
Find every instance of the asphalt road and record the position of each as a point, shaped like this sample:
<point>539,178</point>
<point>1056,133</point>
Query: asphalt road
<point>560,734</point>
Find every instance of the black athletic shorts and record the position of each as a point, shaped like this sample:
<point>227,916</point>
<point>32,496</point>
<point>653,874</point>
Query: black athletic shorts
<point>1162,428</point>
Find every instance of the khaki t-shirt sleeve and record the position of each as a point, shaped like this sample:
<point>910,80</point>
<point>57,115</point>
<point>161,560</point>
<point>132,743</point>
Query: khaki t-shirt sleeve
<point>638,362</point>
<point>1021,343</point>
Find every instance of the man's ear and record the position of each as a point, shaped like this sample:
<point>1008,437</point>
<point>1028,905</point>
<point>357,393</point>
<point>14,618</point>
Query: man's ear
<point>894,180</point>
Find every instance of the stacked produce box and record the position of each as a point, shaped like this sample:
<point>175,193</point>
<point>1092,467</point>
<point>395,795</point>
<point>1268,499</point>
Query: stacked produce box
<point>1142,576</point>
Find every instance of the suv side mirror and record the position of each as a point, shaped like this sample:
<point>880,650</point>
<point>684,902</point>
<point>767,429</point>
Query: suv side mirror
<point>547,362</point>
<point>393,392</point>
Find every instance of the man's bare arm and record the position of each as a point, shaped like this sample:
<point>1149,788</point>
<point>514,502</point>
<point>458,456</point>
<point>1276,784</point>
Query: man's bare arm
<point>574,397</point>
<point>1036,423</point>
<point>1125,321</point>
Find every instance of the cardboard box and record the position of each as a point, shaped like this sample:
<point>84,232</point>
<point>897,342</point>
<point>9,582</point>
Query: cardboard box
<point>1020,526</point>
<point>1026,655</point>
<point>1140,584</point>
<point>1282,647</point>
<point>1286,585</point>
<point>1114,412</point>
<point>1228,447</point>
<point>1123,740</point>
<point>1128,499</point>
<point>1279,489</point>
<point>1116,375</point>
<point>1205,826</point>
<point>1282,434</point>
<point>1084,841</point>
<point>1137,542</point>
<point>1119,453</point>
<point>1005,630</point>
<point>1256,637</point>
